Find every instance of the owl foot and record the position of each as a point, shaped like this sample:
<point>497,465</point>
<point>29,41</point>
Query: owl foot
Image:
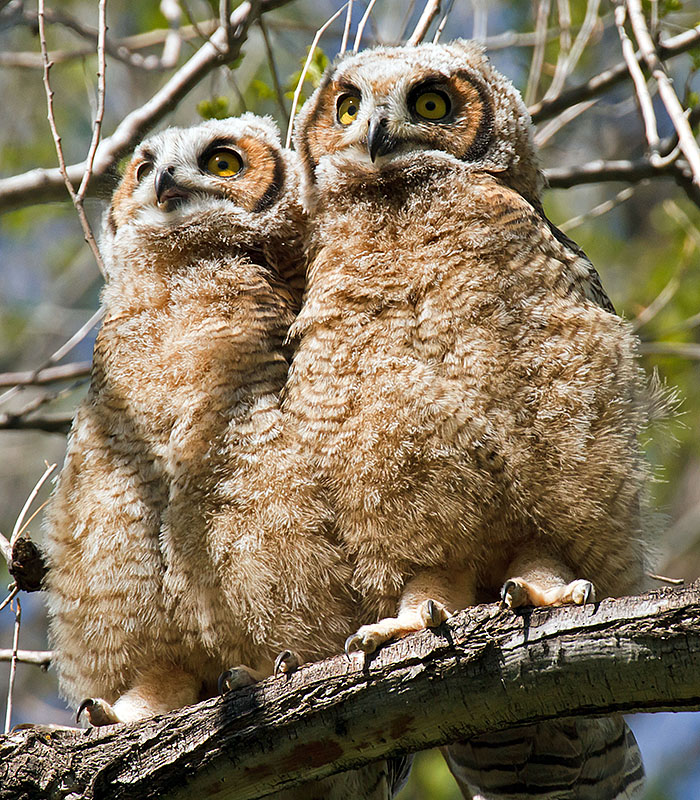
<point>429,614</point>
<point>287,662</point>
<point>99,712</point>
<point>237,678</point>
<point>517,592</point>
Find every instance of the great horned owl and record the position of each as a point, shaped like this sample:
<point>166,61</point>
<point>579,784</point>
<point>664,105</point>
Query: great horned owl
<point>186,534</point>
<point>472,401</point>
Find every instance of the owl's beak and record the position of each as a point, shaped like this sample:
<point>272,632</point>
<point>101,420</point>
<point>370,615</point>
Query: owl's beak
<point>167,187</point>
<point>379,141</point>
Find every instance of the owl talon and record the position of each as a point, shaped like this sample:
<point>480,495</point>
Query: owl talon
<point>235,678</point>
<point>99,712</point>
<point>286,662</point>
<point>434,613</point>
<point>514,595</point>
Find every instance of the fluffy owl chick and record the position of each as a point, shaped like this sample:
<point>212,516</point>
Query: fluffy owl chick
<point>185,534</point>
<point>472,399</point>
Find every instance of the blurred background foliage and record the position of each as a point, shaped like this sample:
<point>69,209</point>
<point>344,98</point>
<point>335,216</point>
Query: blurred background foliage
<point>643,237</point>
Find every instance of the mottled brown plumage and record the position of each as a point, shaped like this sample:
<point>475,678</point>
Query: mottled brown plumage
<point>471,401</point>
<point>186,534</point>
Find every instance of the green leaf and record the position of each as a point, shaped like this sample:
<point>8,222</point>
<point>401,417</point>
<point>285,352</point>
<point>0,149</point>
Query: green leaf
<point>216,108</point>
<point>263,91</point>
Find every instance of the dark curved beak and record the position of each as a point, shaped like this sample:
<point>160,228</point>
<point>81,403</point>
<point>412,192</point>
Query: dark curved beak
<point>167,187</point>
<point>379,141</point>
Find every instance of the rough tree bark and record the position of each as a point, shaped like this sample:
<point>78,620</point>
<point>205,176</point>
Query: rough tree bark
<point>485,670</point>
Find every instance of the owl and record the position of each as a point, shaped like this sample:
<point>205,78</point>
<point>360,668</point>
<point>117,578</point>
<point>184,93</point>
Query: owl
<point>186,534</point>
<point>467,394</point>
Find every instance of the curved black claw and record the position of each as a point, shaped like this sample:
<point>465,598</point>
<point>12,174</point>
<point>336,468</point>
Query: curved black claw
<point>87,703</point>
<point>286,662</point>
<point>352,644</point>
<point>434,614</point>
<point>223,685</point>
<point>589,594</point>
<point>235,678</point>
<point>507,586</point>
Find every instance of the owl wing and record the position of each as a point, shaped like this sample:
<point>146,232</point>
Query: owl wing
<point>573,759</point>
<point>589,278</point>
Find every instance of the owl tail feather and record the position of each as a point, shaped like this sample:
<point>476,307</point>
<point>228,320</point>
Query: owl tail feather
<point>571,759</point>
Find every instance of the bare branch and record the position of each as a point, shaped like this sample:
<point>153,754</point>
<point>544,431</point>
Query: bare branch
<point>305,69</point>
<point>62,351</point>
<point>273,70</point>
<point>646,106</point>
<point>430,11</point>
<point>35,491</point>
<point>533,79</point>
<point>58,423</point>
<point>678,349</point>
<point>609,78</point>
<point>600,209</point>
<point>76,197</point>
<point>625,655</point>
<point>346,28</point>
<point>13,664</point>
<point>40,658</point>
<point>675,110</point>
<point>66,372</point>
<point>361,25</point>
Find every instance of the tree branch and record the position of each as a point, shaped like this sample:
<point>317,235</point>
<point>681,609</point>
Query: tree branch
<point>47,185</point>
<point>484,671</point>
<point>605,80</point>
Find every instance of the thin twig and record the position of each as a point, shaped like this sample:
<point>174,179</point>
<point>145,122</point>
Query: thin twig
<point>430,11</point>
<point>20,519</point>
<point>673,105</point>
<point>76,197</point>
<point>533,79</point>
<point>346,29</point>
<point>646,106</point>
<point>99,114</point>
<point>59,423</point>
<point>678,349</point>
<point>445,16</point>
<point>63,350</point>
<point>172,45</point>
<point>602,208</point>
<point>40,658</point>
<point>544,134</point>
<point>65,372</point>
<point>279,93</point>
<point>361,26</point>
<point>13,664</point>
<point>608,78</point>
<point>664,579</point>
<point>5,549</point>
<point>561,70</point>
<point>568,64</point>
<point>305,69</point>
<point>10,597</point>
<point>47,185</point>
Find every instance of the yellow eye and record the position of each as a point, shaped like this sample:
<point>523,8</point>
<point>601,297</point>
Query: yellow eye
<point>348,106</point>
<point>224,163</point>
<point>432,105</point>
